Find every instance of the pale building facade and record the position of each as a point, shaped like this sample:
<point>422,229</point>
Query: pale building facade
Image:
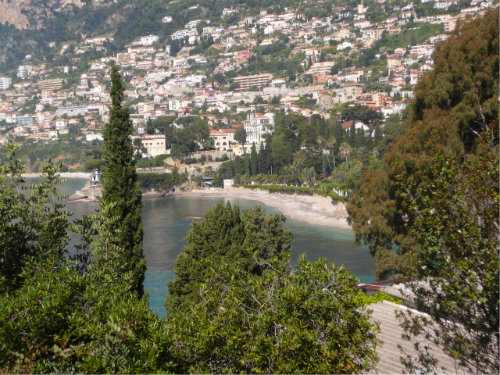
<point>154,144</point>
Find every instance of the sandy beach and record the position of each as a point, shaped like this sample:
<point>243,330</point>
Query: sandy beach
<point>62,174</point>
<point>312,209</point>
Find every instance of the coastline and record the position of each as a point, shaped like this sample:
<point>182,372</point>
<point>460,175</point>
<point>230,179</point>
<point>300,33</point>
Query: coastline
<point>311,209</point>
<point>62,174</point>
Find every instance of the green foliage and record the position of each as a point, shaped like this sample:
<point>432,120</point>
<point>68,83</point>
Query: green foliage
<point>308,320</point>
<point>162,123</point>
<point>74,153</point>
<point>120,188</point>
<point>454,104</point>
<point>194,135</point>
<point>296,189</point>
<point>32,225</point>
<point>240,136</point>
<point>53,317</point>
<point>225,232</point>
<point>157,161</point>
<point>306,102</point>
<point>92,164</point>
<point>348,173</point>
<point>414,34</point>
<point>369,299</point>
<point>160,181</point>
<point>362,113</point>
<point>454,244</point>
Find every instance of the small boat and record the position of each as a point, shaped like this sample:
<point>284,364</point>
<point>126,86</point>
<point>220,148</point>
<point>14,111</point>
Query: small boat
<point>193,218</point>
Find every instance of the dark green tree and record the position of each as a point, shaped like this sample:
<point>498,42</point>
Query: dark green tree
<point>362,113</point>
<point>265,158</point>
<point>454,266</point>
<point>53,317</point>
<point>32,223</point>
<point>240,136</point>
<point>455,103</point>
<point>225,232</point>
<point>150,129</point>
<point>253,161</point>
<point>120,187</point>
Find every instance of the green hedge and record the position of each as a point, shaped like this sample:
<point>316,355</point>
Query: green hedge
<point>306,190</point>
<point>368,299</point>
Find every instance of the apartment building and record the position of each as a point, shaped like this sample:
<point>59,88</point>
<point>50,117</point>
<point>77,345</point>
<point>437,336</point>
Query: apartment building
<point>5,83</point>
<point>257,80</point>
<point>24,71</point>
<point>51,84</point>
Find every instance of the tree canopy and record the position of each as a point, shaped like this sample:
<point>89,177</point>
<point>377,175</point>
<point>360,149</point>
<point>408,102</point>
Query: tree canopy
<point>236,305</point>
<point>430,213</point>
<point>226,232</point>
<point>454,103</point>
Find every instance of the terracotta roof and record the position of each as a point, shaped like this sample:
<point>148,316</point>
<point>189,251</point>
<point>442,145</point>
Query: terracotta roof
<point>347,124</point>
<point>221,131</point>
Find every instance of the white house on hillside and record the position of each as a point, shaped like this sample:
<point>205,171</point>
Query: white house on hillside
<point>257,125</point>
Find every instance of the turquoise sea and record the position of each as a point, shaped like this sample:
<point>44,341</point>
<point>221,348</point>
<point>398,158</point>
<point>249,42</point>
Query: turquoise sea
<point>166,226</point>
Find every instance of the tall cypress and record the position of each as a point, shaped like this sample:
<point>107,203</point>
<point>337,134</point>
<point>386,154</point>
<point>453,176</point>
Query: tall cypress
<point>120,186</point>
<point>253,161</point>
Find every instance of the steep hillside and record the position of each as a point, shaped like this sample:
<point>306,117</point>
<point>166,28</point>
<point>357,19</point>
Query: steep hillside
<point>33,14</point>
<point>32,26</point>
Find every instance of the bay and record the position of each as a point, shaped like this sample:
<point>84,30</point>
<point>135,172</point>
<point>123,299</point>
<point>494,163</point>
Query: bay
<point>166,226</point>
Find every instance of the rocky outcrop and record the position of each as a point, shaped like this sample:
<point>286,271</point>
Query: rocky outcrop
<point>12,14</point>
<point>32,14</point>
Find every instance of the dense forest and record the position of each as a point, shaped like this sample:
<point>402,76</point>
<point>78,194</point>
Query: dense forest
<point>427,206</point>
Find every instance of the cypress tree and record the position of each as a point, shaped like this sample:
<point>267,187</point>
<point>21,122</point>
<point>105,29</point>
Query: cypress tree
<point>120,187</point>
<point>253,161</point>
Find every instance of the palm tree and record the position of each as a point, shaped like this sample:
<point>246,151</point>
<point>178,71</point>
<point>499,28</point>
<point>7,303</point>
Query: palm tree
<point>321,144</point>
<point>345,150</point>
<point>330,144</point>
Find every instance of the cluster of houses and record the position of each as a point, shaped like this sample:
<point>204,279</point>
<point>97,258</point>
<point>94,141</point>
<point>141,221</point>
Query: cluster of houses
<point>43,103</point>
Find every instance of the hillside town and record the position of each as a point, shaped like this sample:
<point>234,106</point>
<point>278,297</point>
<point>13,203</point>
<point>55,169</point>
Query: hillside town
<point>47,103</point>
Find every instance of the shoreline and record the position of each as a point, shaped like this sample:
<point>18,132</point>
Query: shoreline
<point>82,175</point>
<point>311,209</point>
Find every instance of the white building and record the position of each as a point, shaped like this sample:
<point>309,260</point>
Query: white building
<point>148,40</point>
<point>154,144</point>
<point>24,71</point>
<point>5,83</point>
<point>93,137</point>
<point>257,125</point>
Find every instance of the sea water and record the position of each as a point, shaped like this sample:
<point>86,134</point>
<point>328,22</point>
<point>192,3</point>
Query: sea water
<point>166,225</point>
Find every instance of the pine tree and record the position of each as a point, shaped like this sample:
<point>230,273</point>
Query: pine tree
<point>245,238</point>
<point>120,187</point>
